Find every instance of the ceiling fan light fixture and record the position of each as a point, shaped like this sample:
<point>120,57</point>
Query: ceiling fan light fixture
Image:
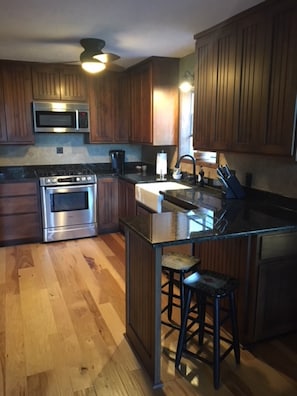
<point>93,66</point>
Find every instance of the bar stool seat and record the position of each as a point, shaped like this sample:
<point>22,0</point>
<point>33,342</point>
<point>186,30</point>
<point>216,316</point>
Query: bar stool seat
<point>209,288</point>
<point>176,264</point>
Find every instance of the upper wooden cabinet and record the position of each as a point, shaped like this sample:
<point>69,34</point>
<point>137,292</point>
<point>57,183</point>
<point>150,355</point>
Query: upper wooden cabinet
<point>154,101</point>
<point>108,113</point>
<point>58,82</point>
<point>15,103</point>
<point>246,82</point>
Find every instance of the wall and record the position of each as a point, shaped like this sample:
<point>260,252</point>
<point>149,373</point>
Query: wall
<point>74,147</point>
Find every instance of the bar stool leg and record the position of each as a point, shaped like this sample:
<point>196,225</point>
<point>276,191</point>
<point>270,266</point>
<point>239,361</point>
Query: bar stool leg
<point>170,295</point>
<point>216,343</point>
<point>201,304</point>
<point>183,328</point>
<point>182,295</point>
<point>235,335</point>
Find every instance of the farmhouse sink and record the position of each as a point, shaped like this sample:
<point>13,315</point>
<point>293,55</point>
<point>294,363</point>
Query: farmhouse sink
<point>149,193</point>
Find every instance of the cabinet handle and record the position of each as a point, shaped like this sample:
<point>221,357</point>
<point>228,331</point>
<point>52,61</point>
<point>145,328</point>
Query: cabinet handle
<point>294,142</point>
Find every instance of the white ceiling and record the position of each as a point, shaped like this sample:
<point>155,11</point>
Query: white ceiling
<point>50,31</point>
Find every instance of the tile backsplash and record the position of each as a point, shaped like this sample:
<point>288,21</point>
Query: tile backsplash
<point>75,151</point>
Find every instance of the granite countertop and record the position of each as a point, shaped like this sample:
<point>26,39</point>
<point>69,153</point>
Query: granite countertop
<point>21,173</point>
<point>215,217</point>
<point>235,220</point>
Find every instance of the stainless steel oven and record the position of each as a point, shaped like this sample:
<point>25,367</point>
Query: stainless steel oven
<point>68,203</point>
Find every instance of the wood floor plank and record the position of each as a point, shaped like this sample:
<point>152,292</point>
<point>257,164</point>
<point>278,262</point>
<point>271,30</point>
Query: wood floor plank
<point>62,332</point>
<point>15,359</point>
<point>38,321</point>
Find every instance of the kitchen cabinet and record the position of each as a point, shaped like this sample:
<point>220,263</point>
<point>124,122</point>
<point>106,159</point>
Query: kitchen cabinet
<point>127,201</point>
<point>58,82</point>
<point>20,217</point>
<point>276,273</point>
<point>154,101</point>
<point>107,198</point>
<point>245,84</point>
<point>15,103</point>
<point>215,83</point>
<point>107,110</point>
<point>266,269</point>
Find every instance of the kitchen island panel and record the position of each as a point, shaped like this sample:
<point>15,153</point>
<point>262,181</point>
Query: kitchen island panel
<point>143,302</point>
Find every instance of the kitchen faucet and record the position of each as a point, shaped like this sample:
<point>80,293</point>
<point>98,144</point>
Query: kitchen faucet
<point>177,165</point>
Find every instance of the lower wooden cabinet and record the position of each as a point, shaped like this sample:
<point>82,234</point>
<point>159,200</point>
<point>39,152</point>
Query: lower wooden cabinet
<point>266,269</point>
<point>20,219</point>
<point>127,202</point>
<point>107,198</point>
<point>276,298</point>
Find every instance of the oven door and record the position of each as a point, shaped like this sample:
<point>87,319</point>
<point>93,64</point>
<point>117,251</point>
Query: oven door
<point>68,209</point>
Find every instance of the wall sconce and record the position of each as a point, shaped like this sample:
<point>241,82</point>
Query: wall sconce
<point>187,84</point>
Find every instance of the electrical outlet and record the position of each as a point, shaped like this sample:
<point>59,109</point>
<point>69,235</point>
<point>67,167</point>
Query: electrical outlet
<point>59,150</point>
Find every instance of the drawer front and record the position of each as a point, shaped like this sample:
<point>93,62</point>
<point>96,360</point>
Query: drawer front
<point>278,245</point>
<point>15,189</point>
<point>22,227</point>
<point>18,205</point>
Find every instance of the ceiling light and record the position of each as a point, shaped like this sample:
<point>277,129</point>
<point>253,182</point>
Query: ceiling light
<point>187,84</point>
<point>93,66</point>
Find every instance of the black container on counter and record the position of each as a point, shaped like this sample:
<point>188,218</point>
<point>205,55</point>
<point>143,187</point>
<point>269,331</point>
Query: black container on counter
<point>117,158</point>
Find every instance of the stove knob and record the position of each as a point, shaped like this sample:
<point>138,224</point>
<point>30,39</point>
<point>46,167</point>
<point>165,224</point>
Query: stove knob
<point>77,179</point>
<point>83,178</point>
<point>48,181</point>
<point>54,180</point>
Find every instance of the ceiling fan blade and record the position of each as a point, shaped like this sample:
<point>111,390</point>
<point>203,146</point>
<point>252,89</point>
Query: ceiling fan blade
<point>106,58</point>
<point>114,68</point>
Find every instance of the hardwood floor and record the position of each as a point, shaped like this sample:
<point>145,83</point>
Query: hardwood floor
<point>62,325</point>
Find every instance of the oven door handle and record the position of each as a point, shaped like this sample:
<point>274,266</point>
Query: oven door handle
<point>65,189</point>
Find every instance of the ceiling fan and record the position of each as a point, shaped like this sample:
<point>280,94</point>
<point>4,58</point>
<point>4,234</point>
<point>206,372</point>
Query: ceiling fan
<point>93,59</point>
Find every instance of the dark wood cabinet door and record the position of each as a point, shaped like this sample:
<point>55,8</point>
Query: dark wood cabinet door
<point>108,219</point>
<point>17,90</point>
<point>104,108</point>
<point>252,74</point>
<point>216,91</point>
<point>46,82</point>
<point>73,84</point>
<point>282,99</point>
<point>141,104</point>
<point>154,101</point>
<point>54,82</point>
<point>121,135</point>
<point>126,201</point>
<point>3,135</point>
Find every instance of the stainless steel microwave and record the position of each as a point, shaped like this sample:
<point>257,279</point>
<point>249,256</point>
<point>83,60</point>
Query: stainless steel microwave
<point>60,117</point>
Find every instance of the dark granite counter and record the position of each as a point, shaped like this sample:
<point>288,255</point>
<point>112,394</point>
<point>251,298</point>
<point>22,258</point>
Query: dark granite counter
<point>21,173</point>
<point>237,219</point>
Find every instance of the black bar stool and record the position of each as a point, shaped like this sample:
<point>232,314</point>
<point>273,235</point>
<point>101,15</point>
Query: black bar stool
<point>208,287</point>
<point>176,264</point>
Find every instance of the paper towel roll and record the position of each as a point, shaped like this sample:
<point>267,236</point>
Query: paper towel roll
<point>161,164</point>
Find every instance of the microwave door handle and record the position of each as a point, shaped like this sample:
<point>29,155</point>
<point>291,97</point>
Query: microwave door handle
<point>76,120</point>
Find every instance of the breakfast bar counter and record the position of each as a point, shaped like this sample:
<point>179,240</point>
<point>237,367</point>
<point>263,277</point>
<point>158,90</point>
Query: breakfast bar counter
<point>147,235</point>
